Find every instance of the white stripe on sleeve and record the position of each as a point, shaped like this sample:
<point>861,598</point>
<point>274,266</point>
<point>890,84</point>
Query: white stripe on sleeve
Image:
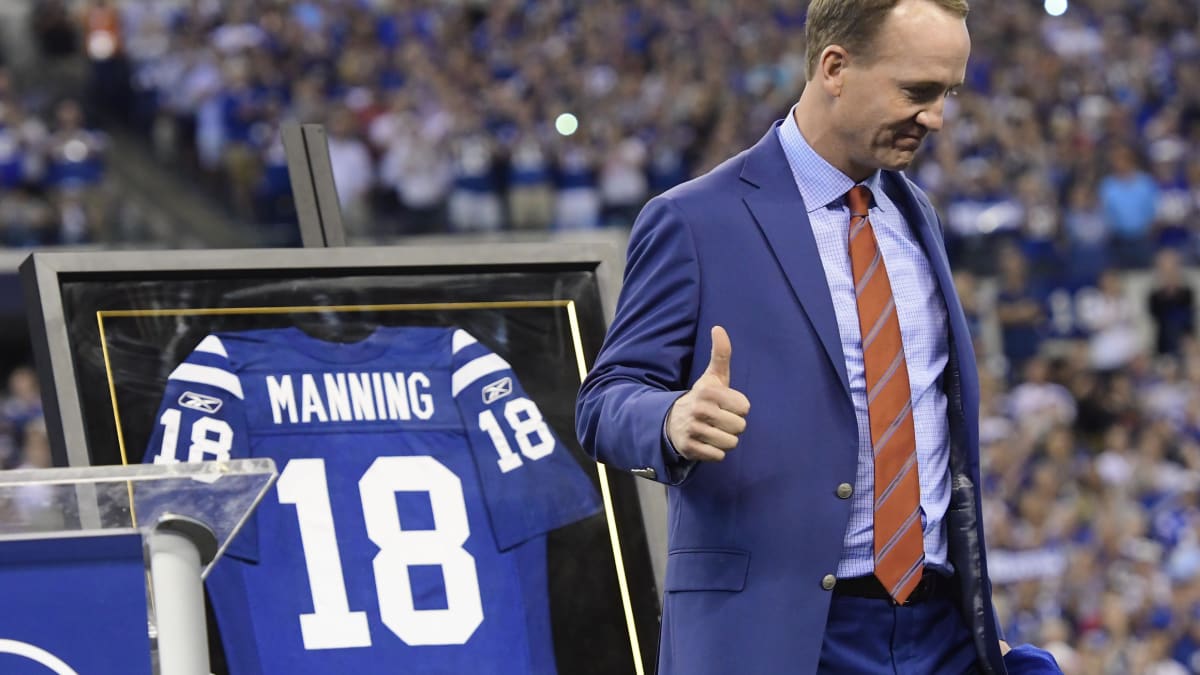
<point>212,345</point>
<point>214,377</point>
<point>475,369</point>
<point>462,339</point>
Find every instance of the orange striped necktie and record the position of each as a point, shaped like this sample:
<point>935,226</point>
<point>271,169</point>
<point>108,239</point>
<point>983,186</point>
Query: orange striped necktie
<point>899,544</point>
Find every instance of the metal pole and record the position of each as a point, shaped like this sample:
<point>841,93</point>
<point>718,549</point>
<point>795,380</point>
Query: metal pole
<point>180,547</point>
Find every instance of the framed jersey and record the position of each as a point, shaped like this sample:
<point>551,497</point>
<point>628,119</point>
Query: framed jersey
<point>434,513</point>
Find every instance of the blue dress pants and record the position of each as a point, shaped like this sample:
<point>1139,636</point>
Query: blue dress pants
<point>869,636</point>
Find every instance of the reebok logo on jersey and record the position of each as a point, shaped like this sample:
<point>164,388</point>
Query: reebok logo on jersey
<point>205,404</point>
<point>497,390</point>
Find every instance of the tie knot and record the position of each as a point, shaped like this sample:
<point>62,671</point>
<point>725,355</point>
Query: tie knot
<point>859,200</point>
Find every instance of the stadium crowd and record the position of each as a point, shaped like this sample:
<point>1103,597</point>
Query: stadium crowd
<point>1074,135</point>
<point>52,172</point>
<point>1072,155</point>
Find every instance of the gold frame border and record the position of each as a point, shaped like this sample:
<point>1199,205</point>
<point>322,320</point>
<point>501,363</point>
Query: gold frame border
<point>576,338</point>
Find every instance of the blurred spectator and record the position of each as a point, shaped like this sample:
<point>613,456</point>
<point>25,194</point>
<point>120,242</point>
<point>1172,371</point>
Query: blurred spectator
<point>23,139</point>
<point>75,173</point>
<point>1130,199</point>
<point>1174,208</point>
<point>54,29</point>
<point>102,31</point>
<point>667,167</point>
<point>1020,311</point>
<point>531,180</point>
<point>1168,395</point>
<point>1092,417</point>
<point>1172,304</point>
<point>623,184</point>
<point>35,505</point>
<point>26,217</point>
<point>578,205</point>
<point>273,203</point>
<point>1186,649</point>
<point>1037,403</point>
<point>353,171</point>
<point>1087,236</point>
<point>1038,235</point>
<point>23,402</point>
<point>104,45</point>
<point>241,108</point>
<point>968,294</point>
<point>475,204</point>
<point>1109,316</point>
<point>35,450</point>
<point>416,167</point>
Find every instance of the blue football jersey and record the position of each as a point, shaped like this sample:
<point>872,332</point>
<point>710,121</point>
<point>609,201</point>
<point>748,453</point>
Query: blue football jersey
<point>406,532</point>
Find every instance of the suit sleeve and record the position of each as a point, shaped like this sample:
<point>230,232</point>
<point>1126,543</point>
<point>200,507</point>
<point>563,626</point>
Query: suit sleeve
<point>643,366</point>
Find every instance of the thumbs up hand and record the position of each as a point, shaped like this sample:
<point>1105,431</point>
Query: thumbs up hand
<point>705,423</point>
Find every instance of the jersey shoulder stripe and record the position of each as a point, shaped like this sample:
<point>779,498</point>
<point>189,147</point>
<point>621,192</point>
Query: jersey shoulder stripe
<point>462,339</point>
<point>474,369</point>
<point>212,345</point>
<point>214,377</point>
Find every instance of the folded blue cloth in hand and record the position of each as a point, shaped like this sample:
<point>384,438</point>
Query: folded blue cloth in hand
<point>1029,660</point>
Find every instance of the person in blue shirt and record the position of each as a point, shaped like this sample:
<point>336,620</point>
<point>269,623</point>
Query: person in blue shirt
<point>1129,197</point>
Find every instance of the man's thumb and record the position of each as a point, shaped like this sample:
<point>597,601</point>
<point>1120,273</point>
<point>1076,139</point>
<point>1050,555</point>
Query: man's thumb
<point>722,351</point>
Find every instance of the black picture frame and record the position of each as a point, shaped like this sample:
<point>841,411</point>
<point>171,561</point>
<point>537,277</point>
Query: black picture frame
<point>107,327</point>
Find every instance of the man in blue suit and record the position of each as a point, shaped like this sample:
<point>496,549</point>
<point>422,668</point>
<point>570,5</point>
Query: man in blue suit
<point>835,526</point>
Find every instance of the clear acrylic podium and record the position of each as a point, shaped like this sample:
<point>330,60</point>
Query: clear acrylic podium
<point>76,543</point>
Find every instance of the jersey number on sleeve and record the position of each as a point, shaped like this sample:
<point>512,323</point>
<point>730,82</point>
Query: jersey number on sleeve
<point>212,439</point>
<point>533,436</point>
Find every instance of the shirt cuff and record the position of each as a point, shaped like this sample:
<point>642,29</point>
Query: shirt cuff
<point>670,455</point>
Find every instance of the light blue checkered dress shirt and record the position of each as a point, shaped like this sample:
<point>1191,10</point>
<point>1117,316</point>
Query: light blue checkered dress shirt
<point>923,327</point>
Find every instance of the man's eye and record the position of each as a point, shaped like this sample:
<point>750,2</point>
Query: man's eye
<point>923,94</point>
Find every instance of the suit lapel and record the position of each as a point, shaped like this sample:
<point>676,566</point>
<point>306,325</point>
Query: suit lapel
<point>781,215</point>
<point>924,221</point>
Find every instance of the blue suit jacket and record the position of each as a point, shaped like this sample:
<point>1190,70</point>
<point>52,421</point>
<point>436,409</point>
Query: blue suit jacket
<point>751,538</point>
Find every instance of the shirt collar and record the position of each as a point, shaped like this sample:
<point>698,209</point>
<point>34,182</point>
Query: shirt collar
<point>821,185</point>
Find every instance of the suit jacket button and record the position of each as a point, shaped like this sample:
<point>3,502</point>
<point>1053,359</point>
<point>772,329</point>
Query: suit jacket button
<point>828,582</point>
<point>845,490</point>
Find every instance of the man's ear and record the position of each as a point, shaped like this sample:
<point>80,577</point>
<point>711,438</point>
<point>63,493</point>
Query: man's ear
<point>831,68</point>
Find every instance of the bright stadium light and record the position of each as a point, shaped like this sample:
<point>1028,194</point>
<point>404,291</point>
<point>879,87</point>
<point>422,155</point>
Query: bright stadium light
<point>1056,7</point>
<point>566,124</point>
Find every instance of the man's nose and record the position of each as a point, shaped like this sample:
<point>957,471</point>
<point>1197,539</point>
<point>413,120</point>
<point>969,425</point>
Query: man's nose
<point>931,117</point>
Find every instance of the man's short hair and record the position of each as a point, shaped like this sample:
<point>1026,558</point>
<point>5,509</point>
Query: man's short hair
<point>853,24</point>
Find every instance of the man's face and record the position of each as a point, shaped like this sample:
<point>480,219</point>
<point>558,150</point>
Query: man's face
<point>894,95</point>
